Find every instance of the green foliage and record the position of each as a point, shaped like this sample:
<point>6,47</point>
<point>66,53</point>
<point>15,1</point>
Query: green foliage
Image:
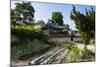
<point>66,45</point>
<point>57,17</point>
<point>77,55</point>
<point>74,54</point>
<point>41,22</point>
<point>85,23</point>
<point>67,26</point>
<point>13,22</point>
<point>24,32</point>
<point>25,9</point>
<point>90,54</point>
<point>86,37</point>
<point>19,49</point>
<point>12,12</point>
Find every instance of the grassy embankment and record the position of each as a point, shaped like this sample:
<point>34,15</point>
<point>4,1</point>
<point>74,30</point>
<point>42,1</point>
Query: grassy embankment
<point>26,44</point>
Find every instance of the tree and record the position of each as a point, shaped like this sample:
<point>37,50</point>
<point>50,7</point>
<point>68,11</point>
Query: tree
<point>67,27</point>
<point>25,10</point>
<point>41,22</point>
<point>57,17</point>
<point>13,19</point>
<point>12,12</point>
<point>85,23</point>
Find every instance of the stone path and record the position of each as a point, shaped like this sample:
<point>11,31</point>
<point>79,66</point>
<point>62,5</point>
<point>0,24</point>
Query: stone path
<point>90,47</point>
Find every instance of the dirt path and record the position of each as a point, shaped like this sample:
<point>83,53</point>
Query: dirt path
<point>90,47</point>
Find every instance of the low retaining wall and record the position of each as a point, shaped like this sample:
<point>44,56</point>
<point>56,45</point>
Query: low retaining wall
<point>55,39</point>
<point>66,39</point>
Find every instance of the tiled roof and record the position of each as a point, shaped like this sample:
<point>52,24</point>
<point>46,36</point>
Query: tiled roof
<point>24,23</point>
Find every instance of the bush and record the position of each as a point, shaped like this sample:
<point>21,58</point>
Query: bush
<point>24,32</point>
<point>77,55</point>
<point>88,55</point>
<point>66,45</point>
<point>19,49</point>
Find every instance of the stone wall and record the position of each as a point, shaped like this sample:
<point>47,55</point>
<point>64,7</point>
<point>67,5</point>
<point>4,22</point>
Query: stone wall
<point>56,39</point>
<point>66,39</point>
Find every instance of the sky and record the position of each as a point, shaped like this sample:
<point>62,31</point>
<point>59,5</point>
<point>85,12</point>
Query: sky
<point>43,11</point>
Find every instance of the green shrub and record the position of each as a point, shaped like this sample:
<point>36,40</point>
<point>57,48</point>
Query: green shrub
<point>77,55</point>
<point>24,32</point>
<point>88,55</point>
<point>66,45</point>
<point>19,49</point>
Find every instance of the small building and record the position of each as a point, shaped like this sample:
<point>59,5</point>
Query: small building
<point>55,30</point>
<point>20,21</point>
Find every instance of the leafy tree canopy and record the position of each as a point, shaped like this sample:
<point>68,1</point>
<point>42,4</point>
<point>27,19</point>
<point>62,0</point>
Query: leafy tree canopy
<point>85,23</point>
<point>25,10</point>
<point>57,17</point>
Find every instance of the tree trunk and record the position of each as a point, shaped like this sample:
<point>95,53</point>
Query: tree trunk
<point>85,55</point>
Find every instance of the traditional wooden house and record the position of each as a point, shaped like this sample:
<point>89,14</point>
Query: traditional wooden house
<point>20,21</point>
<point>55,30</point>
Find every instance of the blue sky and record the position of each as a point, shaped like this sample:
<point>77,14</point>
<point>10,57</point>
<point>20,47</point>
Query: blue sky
<point>43,11</point>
